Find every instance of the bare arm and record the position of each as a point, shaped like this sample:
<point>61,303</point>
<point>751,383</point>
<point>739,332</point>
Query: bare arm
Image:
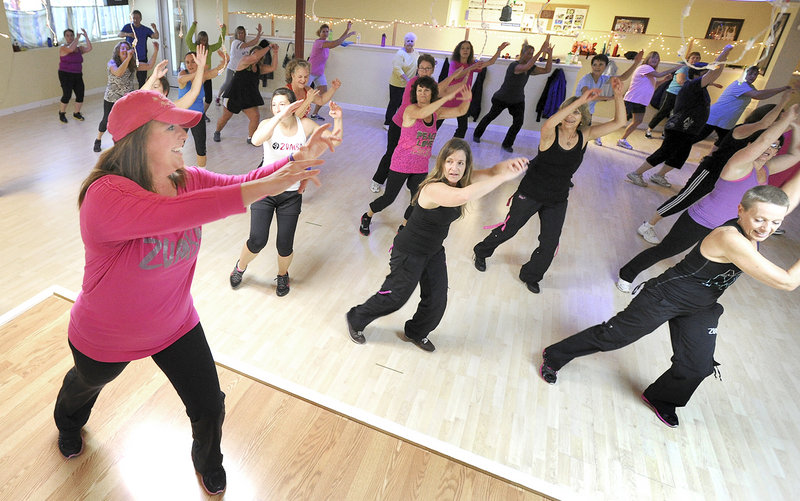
<point>338,124</point>
<point>662,74</point>
<point>267,127</point>
<point>347,33</point>
<point>119,70</point>
<point>443,195</point>
<point>155,34</point>
<point>726,244</point>
<point>159,71</point>
<point>273,65</point>
<point>712,75</point>
<point>68,49</point>
<point>548,65</point>
<point>782,162</point>
<point>88,48</point>
<point>252,58</point>
<point>493,59</point>
<point>548,130</point>
<point>746,130</point>
<point>766,93</point>
<point>152,62</point>
<point>741,162</point>
<point>321,99</point>
<point>637,60</point>
<point>620,119</point>
<point>412,113</point>
<point>255,39</point>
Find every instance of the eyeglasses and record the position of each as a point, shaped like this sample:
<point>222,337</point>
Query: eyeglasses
<point>426,68</point>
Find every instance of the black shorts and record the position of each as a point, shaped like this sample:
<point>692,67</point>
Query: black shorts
<point>631,108</point>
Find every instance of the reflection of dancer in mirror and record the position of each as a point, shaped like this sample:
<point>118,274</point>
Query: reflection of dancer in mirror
<point>320,51</point>
<point>202,40</point>
<point>240,47</point>
<point>686,296</point>
<point>70,72</point>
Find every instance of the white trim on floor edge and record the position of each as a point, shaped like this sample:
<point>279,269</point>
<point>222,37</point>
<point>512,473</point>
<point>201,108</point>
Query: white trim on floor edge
<point>415,437</point>
<point>53,290</point>
<point>46,102</point>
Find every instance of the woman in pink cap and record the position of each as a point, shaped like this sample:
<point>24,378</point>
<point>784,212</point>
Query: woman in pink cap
<point>141,213</point>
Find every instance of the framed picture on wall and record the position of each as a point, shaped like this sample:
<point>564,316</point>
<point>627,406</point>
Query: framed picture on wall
<point>724,29</point>
<point>777,29</point>
<point>627,24</point>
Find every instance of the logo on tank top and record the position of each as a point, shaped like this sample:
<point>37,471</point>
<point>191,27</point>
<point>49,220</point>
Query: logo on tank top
<point>723,280</point>
<point>425,139</point>
<point>285,146</point>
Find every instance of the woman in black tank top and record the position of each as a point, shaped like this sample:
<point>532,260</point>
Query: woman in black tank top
<point>545,187</point>
<point>417,254</point>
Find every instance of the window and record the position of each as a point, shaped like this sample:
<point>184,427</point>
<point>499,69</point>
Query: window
<point>40,23</point>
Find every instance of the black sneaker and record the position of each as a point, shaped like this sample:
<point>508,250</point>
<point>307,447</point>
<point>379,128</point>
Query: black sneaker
<point>666,416</point>
<point>214,482</point>
<point>480,263</point>
<point>77,116</point>
<point>508,149</point>
<point>533,287</point>
<point>283,284</point>
<point>70,445</point>
<point>62,117</point>
<point>356,336</point>
<point>548,374</point>
<point>364,227</point>
<point>236,276</point>
<point>476,139</point>
<point>216,137</point>
<point>97,148</point>
<point>424,344</point>
<point>208,120</point>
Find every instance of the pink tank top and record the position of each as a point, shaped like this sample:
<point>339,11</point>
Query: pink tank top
<point>414,148</point>
<point>318,57</point>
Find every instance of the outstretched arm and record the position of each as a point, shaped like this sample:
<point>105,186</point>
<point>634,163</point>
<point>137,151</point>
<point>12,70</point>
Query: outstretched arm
<point>740,163</point>
<point>335,43</point>
<point>255,39</point>
<point>493,59</point>
<point>321,99</point>
<point>444,195</point>
<point>712,75</point>
<point>159,71</point>
<point>746,130</point>
<point>548,131</point>
<point>782,162</point>
<point>637,60</point>
<point>767,93</point>
<point>152,62</point>
<point>267,127</point>
<point>548,51</point>
<point>273,65</point>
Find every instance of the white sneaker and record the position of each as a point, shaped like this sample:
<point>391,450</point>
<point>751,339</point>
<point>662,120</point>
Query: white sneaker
<point>636,179</point>
<point>624,286</point>
<point>660,180</point>
<point>623,143</point>
<point>385,127</point>
<point>648,232</point>
<point>375,187</point>
<point>598,142</point>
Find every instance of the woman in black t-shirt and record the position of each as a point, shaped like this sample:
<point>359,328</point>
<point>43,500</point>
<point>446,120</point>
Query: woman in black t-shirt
<point>417,254</point>
<point>688,118</point>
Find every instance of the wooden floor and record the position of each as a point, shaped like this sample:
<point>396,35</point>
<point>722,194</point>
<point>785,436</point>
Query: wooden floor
<point>587,437</point>
<point>136,447</point>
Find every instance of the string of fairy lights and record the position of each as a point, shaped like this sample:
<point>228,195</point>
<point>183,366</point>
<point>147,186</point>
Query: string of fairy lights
<point>664,44</point>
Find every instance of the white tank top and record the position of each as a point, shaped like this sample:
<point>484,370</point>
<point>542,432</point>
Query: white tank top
<point>281,146</point>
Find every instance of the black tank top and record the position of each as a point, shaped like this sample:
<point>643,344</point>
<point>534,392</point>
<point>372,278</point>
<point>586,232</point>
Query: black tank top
<point>550,172</point>
<point>696,280</point>
<point>426,230</point>
<point>716,160</point>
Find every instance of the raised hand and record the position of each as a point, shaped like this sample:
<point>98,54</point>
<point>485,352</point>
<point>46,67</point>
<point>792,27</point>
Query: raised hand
<point>616,86</point>
<point>291,108</point>
<point>503,46</point>
<point>336,83</point>
<point>153,25</point>
<point>591,95</point>
<point>273,47</point>
<point>637,59</point>
<point>161,68</point>
<point>202,54</point>
<point>311,95</point>
<point>512,167</point>
<point>155,46</point>
<point>465,94</point>
<point>317,144</point>
<point>336,110</point>
<point>258,28</point>
<point>85,35</point>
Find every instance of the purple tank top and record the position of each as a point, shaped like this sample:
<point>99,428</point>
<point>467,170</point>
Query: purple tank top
<point>414,148</point>
<point>722,203</point>
<point>72,62</point>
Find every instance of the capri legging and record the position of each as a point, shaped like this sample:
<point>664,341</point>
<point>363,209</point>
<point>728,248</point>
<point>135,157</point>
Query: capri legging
<point>208,90</point>
<point>394,183</point>
<point>674,150</point>
<point>287,207</point>
<point>71,82</point>
<point>199,135</point>
<point>107,105</point>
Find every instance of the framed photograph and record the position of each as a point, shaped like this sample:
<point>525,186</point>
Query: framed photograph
<point>777,26</point>
<point>627,24</point>
<point>724,29</point>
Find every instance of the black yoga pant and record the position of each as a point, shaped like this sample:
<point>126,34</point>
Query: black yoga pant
<point>693,332</point>
<point>190,368</point>
<point>199,135</point>
<point>287,207</point>
<point>71,82</point>
<point>394,183</point>
<point>700,184</point>
<point>685,233</point>
<point>517,111</point>
<point>664,111</point>
<point>551,218</point>
<point>395,100</point>
<point>708,129</point>
<point>141,76</point>
<point>406,271</point>
<point>392,138</point>
<point>208,90</point>
<point>106,111</point>
<point>674,150</point>
<point>461,129</point>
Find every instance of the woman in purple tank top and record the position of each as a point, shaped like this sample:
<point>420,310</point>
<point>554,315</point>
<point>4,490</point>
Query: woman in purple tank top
<point>70,72</point>
<point>749,167</point>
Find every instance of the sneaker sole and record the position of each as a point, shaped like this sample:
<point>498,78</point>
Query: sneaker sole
<point>210,493</point>
<point>655,411</point>
<point>541,371</point>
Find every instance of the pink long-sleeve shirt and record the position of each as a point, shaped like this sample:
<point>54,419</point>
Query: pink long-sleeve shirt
<point>141,251</point>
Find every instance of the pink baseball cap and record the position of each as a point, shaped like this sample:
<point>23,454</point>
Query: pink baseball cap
<point>141,106</point>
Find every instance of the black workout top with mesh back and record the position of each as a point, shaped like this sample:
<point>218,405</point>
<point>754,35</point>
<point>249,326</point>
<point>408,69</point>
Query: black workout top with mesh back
<point>696,280</point>
<point>550,172</point>
<point>426,230</point>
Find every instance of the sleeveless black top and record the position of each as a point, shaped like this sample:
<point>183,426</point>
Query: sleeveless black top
<point>550,172</point>
<point>426,230</point>
<point>696,280</point>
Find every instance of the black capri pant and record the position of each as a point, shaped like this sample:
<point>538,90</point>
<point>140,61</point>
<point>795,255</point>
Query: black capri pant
<point>395,100</point>
<point>685,233</point>
<point>208,90</point>
<point>674,150</point>
<point>199,135</point>
<point>394,183</point>
<point>71,82</point>
<point>107,105</point>
<point>392,138</point>
<point>287,206</point>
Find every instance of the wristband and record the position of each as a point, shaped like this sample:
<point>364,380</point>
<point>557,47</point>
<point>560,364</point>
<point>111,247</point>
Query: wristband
<point>291,157</point>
